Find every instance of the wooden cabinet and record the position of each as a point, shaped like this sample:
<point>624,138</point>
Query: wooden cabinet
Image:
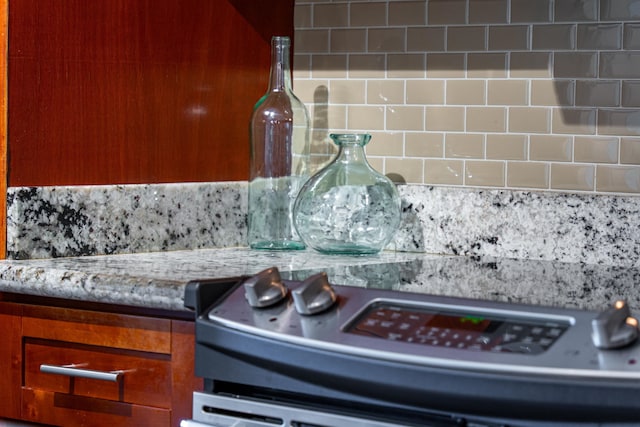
<point>3,125</point>
<point>77,367</point>
<point>132,91</point>
<point>10,360</point>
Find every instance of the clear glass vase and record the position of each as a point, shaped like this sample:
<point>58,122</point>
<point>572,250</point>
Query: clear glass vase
<point>348,207</point>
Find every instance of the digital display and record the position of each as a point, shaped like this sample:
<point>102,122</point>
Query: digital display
<point>462,323</point>
<point>457,330</point>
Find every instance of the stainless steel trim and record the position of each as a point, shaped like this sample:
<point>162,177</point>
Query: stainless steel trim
<point>75,371</point>
<point>191,423</point>
<point>235,412</point>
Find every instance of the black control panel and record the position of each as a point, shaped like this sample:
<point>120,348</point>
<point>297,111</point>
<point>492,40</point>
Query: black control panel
<point>469,331</point>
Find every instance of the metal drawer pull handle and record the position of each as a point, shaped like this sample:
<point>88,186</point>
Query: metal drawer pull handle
<point>74,371</point>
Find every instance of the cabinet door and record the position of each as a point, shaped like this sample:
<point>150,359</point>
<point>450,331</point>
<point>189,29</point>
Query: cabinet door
<point>133,91</point>
<point>10,360</point>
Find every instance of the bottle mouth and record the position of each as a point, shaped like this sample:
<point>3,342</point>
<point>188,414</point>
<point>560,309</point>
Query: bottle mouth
<point>282,40</point>
<point>350,138</point>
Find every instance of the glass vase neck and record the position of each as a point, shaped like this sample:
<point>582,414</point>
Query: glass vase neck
<point>351,147</point>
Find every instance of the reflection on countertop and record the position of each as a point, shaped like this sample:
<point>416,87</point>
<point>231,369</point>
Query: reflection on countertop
<point>157,279</point>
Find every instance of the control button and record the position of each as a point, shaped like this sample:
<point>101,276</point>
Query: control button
<point>265,288</point>
<point>524,348</point>
<point>614,327</point>
<point>509,337</point>
<point>554,332</point>
<point>546,342</point>
<point>314,295</point>
<point>483,339</point>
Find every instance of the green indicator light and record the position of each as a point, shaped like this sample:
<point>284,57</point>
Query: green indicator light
<point>471,319</point>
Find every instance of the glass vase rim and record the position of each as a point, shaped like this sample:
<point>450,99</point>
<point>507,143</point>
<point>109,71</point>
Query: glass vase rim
<point>355,138</point>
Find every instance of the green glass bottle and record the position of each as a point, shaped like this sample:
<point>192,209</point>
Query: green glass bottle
<point>279,138</point>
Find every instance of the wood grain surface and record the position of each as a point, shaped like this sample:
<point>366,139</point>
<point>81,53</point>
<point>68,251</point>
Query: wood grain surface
<point>136,91</point>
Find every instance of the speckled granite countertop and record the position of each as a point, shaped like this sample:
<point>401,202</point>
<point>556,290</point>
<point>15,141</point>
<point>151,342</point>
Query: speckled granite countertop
<point>50,222</point>
<point>138,245</point>
<point>157,280</point>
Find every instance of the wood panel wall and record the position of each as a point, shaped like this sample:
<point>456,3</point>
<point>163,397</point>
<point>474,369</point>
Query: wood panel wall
<point>135,91</point>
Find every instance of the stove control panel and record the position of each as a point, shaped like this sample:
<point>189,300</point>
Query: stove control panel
<point>432,330</point>
<point>444,328</point>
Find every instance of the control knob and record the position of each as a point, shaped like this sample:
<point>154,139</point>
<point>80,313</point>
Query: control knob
<point>614,327</point>
<point>314,295</point>
<point>265,288</point>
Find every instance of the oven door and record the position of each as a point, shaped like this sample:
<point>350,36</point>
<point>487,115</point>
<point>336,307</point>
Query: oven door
<point>223,411</point>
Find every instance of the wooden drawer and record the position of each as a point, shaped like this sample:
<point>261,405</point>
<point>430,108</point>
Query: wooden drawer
<point>100,329</point>
<point>118,370</point>
<point>139,377</point>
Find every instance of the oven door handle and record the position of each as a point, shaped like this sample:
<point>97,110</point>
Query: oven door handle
<point>191,423</point>
<point>75,370</point>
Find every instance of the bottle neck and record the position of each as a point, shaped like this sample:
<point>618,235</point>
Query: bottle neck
<point>280,77</point>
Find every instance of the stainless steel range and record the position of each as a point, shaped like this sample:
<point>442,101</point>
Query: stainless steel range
<point>309,353</point>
